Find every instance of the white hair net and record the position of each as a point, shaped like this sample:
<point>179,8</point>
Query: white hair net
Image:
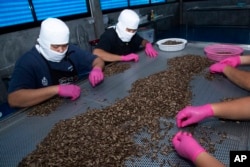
<point>53,31</point>
<point>129,19</point>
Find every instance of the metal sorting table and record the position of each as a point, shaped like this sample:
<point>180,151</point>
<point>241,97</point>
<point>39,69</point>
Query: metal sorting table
<point>19,134</point>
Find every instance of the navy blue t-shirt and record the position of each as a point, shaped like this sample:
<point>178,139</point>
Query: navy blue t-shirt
<point>110,42</point>
<point>31,70</point>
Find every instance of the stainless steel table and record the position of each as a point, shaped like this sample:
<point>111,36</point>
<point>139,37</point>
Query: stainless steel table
<point>19,134</point>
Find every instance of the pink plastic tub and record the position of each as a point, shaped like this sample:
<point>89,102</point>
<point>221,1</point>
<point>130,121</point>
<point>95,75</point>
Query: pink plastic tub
<point>219,52</point>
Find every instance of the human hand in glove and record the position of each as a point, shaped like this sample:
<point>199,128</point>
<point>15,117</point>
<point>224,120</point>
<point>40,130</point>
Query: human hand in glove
<point>217,68</point>
<point>72,91</point>
<point>186,146</point>
<point>130,57</point>
<point>150,51</point>
<point>96,76</point>
<point>190,115</point>
<point>231,61</point>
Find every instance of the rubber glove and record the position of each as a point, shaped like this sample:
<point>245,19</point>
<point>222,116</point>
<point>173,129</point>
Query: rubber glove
<point>96,76</point>
<point>186,146</point>
<point>150,51</point>
<point>232,61</point>
<point>190,115</point>
<point>130,57</point>
<point>217,68</point>
<point>72,91</point>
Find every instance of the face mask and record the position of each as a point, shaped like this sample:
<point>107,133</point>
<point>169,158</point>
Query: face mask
<point>51,55</point>
<point>123,34</point>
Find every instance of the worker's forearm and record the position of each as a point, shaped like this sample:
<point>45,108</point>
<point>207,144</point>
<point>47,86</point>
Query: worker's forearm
<point>107,57</point>
<point>238,109</point>
<point>245,59</point>
<point>239,77</point>
<point>207,160</point>
<point>144,42</point>
<point>98,62</point>
<point>30,97</point>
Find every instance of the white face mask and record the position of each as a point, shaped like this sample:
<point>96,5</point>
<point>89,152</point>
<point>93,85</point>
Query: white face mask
<point>51,55</point>
<point>123,34</point>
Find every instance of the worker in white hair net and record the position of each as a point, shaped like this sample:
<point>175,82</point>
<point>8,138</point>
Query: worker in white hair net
<point>120,43</point>
<point>52,67</point>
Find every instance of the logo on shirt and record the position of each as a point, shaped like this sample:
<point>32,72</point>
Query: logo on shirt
<point>70,68</point>
<point>44,81</point>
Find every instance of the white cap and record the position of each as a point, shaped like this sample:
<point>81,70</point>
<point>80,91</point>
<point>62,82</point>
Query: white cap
<point>129,19</point>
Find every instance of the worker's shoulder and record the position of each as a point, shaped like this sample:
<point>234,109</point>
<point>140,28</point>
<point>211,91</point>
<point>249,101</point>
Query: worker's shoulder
<point>29,57</point>
<point>109,32</point>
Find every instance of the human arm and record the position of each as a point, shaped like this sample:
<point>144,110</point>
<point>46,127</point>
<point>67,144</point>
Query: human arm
<point>207,160</point>
<point>98,62</point>
<point>96,74</point>
<point>30,97</point>
<point>149,49</point>
<point>237,76</point>
<point>193,114</point>
<point>227,67</point>
<point>187,147</point>
<point>105,47</point>
<point>245,59</point>
<point>144,42</point>
<point>220,66</point>
<point>237,60</point>
<point>237,109</point>
<point>109,57</point>
<point>106,56</point>
<point>231,61</point>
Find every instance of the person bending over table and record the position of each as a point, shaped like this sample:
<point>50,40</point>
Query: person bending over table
<point>120,42</point>
<point>237,109</point>
<point>52,67</point>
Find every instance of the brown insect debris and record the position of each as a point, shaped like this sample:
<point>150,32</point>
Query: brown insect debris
<point>106,137</point>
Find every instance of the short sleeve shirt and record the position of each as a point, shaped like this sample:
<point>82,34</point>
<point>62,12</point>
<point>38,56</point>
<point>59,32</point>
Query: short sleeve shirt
<point>31,70</point>
<point>110,42</point>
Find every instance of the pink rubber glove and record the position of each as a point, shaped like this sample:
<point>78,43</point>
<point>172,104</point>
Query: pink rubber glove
<point>130,57</point>
<point>190,115</point>
<point>72,91</point>
<point>150,51</point>
<point>96,76</point>
<point>186,146</point>
<point>232,61</point>
<point>217,68</point>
